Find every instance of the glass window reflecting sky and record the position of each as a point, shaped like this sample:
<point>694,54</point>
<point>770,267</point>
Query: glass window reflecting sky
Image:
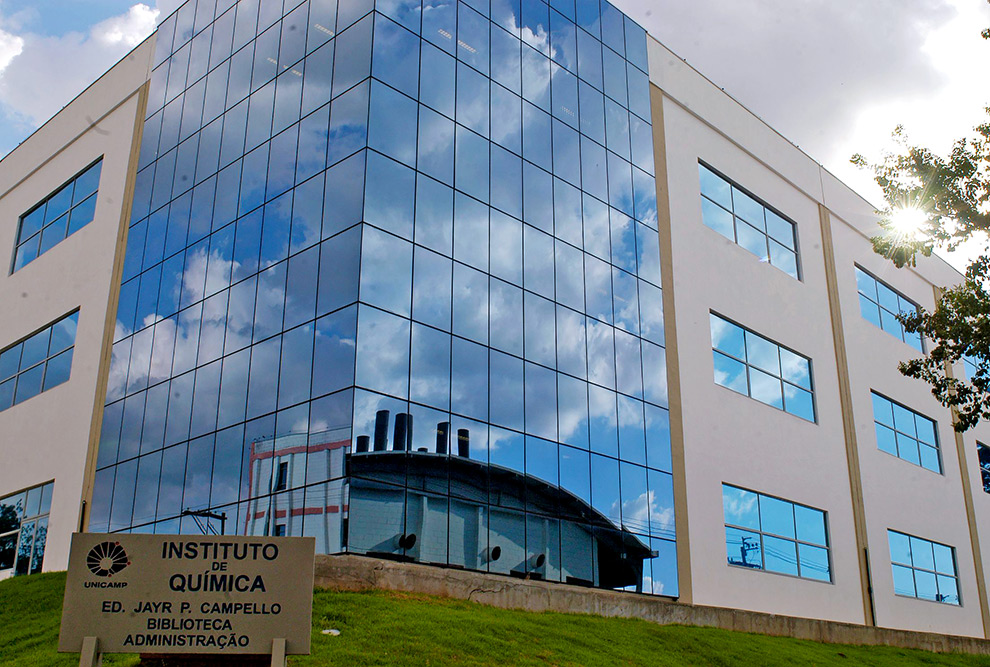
<point>477,178</point>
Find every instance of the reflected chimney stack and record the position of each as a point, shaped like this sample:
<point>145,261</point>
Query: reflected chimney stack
<point>402,436</point>
<point>363,442</point>
<point>463,442</point>
<point>443,433</point>
<point>381,430</point>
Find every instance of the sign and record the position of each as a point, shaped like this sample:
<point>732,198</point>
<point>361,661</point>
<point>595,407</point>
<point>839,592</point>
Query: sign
<point>188,594</point>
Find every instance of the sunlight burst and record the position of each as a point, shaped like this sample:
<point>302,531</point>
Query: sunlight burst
<point>908,222</point>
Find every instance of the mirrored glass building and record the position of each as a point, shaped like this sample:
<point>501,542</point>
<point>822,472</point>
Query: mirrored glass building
<point>392,279</point>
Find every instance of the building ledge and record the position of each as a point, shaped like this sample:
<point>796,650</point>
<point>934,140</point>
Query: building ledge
<point>355,573</point>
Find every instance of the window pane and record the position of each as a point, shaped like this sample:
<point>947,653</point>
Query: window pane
<point>751,239</point>
<point>814,563</point>
<point>743,548</point>
<point>740,507</point>
<point>780,230</point>
<point>762,353</point>
<point>869,310</point>
<point>907,449</point>
<point>748,209</point>
<point>883,410</point>
<point>728,338</point>
<point>926,586</point>
<point>903,581</point>
<point>810,524</point>
<point>944,562</point>
<point>765,388</point>
<point>780,555</point>
<point>57,370</point>
<point>29,383</point>
<point>730,373</point>
<point>776,516</point>
<point>799,402</point>
<point>948,590</point>
<point>922,554</point>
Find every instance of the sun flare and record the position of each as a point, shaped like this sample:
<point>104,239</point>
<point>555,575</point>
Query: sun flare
<point>908,222</point>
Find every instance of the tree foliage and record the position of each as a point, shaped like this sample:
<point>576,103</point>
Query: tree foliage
<point>951,195</point>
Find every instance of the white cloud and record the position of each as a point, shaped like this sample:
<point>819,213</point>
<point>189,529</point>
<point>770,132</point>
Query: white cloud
<point>129,29</point>
<point>11,46</point>
<point>835,77</point>
<point>44,72</point>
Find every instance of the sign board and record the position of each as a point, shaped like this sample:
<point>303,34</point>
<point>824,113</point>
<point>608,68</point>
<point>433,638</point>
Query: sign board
<point>188,594</point>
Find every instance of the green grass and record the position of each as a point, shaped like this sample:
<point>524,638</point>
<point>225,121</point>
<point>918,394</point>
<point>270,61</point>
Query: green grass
<point>381,628</point>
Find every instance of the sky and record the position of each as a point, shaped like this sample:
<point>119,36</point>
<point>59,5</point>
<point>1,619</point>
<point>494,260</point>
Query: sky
<point>832,76</point>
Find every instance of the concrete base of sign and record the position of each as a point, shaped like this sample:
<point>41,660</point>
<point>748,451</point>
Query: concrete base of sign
<point>90,655</point>
<point>352,573</point>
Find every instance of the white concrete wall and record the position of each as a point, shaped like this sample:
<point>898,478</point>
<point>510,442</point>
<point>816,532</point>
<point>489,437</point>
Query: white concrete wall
<point>898,494</point>
<point>47,437</point>
<point>731,438</point>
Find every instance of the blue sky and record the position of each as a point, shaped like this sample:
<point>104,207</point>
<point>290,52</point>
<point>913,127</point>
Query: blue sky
<point>50,50</point>
<point>55,17</point>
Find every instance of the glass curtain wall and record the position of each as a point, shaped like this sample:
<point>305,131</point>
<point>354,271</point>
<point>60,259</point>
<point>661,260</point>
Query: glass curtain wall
<point>392,280</point>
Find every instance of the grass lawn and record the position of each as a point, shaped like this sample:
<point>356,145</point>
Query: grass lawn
<point>381,628</point>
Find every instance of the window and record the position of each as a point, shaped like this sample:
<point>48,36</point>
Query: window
<point>66,211</point>
<point>282,478</point>
<point>906,434</point>
<point>767,533</point>
<point>749,222</point>
<point>881,305</point>
<point>984,453</point>
<point>753,365</point>
<point>38,362</point>
<point>971,365</point>
<point>24,529</point>
<point>922,569</point>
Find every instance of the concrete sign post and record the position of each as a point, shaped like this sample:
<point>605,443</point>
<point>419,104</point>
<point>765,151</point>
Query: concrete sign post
<point>188,594</point>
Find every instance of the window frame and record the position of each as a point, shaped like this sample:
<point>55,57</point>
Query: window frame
<point>984,466</point>
<point>936,573</point>
<point>915,413</point>
<point>43,363</point>
<point>794,227</point>
<point>797,542</point>
<point>748,366</point>
<point>24,518</point>
<point>900,295</point>
<point>971,366</point>
<point>19,242</point>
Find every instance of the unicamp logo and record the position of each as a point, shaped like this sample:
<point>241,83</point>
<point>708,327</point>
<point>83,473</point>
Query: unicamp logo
<point>107,559</point>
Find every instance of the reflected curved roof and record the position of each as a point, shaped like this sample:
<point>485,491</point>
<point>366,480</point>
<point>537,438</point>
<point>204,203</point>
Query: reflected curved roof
<point>432,465</point>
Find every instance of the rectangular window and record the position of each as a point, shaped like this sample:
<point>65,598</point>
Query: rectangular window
<point>984,453</point>
<point>756,366</point>
<point>740,217</point>
<point>923,569</point>
<point>38,362</point>
<point>62,213</point>
<point>767,533</point>
<point>282,478</point>
<point>906,434</point>
<point>881,304</point>
<point>971,365</point>
<point>24,529</point>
